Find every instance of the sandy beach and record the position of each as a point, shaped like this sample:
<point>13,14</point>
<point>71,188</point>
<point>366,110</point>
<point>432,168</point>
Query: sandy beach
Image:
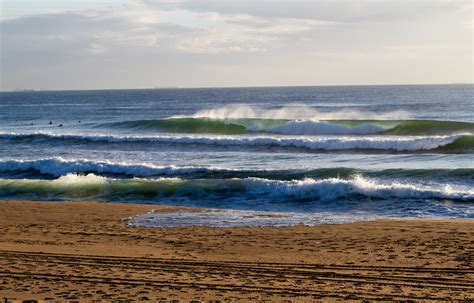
<point>60,251</point>
<point>236,151</point>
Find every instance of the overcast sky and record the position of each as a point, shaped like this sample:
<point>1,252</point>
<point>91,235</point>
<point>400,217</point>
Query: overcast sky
<point>93,44</point>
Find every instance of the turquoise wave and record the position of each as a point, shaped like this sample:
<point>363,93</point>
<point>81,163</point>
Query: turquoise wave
<point>294,127</point>
<point>357,188</point>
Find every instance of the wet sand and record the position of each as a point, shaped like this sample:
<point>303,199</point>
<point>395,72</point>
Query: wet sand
<point>60,251</point>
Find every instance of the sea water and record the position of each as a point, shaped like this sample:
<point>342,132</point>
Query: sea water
<point>246,156</point>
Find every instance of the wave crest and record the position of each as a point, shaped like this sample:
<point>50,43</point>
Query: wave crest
<point>56,167</point>
<point>357,188</point>
<point>291,112</point>
<point>454,143</point>
<point>59,167</point>
<point>208,125</point>
<point>335,188</point>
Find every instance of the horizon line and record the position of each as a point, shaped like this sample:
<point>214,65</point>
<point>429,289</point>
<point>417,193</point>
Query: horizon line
<point>224,87</point>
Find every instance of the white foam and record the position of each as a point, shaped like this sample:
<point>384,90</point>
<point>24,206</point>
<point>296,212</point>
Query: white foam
<point>397,143</point>
<point>59,167</point>
<point>243,191</point>
<point>79,180</point>
<point>334,188</point>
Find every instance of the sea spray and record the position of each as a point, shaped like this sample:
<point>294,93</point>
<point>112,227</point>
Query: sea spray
<point>291,112</point>
<point>231,126</point>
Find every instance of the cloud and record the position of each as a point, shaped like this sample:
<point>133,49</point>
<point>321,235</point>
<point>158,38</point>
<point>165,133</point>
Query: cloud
<point>94,30</point>
<point>323,10</point>
<point>215,43</point>
<point>95,49</point>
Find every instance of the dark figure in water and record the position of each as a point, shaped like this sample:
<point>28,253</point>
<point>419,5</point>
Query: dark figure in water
<point>50,122</point>
<point>60,125</point>
<point>79,121</point>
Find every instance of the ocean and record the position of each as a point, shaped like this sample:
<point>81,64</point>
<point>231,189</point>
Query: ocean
<point>271,156</point>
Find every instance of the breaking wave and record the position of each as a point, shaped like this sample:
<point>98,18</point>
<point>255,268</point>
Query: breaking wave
<point>447,144</point>
<point>245,126</point>
<point>291,112</point>
<point>91,186</point>
<point>294,127</point>
<point>336,188</point>
<point>57,167</point>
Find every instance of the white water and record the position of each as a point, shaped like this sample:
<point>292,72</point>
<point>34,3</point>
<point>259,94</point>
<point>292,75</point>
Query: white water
<point>397,143</point>
<point>59,167</point>
<point>334,188</point>
<point>323,190</point>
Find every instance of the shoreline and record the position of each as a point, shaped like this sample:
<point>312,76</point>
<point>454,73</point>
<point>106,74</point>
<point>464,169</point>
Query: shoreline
<point>85,251</point>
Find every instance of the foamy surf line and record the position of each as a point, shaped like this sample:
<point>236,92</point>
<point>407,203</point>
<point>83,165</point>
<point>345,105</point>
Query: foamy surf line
<point>357,188</point>
<point>459,143</point>
<point>57,167</point>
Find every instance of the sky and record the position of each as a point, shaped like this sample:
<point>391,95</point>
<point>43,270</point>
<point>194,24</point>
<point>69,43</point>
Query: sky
<point>100,44</point>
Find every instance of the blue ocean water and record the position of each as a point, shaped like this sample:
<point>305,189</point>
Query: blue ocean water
<point>250,156</point>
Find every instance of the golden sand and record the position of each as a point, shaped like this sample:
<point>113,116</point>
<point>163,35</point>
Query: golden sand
<point>84,251</point>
